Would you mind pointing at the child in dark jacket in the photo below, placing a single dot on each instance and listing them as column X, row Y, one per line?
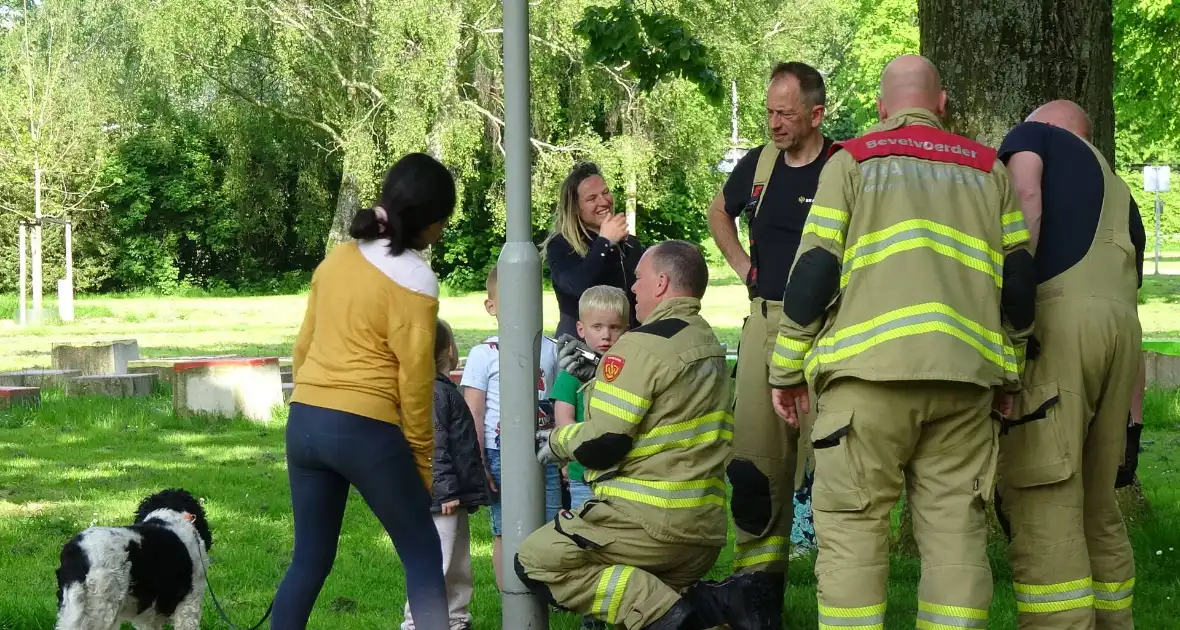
column 460, row 485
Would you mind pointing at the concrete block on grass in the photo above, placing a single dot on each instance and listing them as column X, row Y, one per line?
column 37, row 378
column 251, row 387
column 1166, row 372
column 112, row 385
column 288, row 390
column 95, row 358
column 19, row 396
column 162, row 366
column 287, row 369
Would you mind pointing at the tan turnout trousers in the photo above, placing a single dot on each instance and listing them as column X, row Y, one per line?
column 604, row 564
column 1072, row 563
column 769, row 458
column 939, row 440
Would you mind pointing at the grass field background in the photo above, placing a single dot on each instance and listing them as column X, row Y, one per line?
column 78, row 462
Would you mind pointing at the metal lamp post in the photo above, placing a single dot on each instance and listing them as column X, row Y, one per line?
column 523, row 494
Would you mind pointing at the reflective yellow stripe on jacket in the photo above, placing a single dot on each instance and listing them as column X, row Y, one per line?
column 789, row 353
column 1015, row 230
column 825, row 222
column 664, row 494
column 875, row 247
column 619, row 402
column 706, row 429
column 920, row 319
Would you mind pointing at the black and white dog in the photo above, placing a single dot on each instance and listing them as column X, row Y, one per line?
column 149, row 573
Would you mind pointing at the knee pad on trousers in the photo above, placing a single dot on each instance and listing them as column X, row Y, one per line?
column 537, row 588
column 751, row 503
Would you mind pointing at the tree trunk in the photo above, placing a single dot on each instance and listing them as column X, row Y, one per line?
column 347, row 205
column 1002, row 59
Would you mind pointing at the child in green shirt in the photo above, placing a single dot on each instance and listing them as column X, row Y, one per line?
column 603, row 313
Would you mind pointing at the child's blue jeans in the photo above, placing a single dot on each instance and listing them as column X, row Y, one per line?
column 552, row 490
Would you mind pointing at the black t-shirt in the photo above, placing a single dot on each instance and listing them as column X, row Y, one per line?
column 779, row 225
column 1072, row 189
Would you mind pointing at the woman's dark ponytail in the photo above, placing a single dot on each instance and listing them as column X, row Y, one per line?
column 418, row 192
column 365, row 226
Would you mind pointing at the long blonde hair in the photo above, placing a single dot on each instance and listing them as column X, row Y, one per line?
column 567, row 221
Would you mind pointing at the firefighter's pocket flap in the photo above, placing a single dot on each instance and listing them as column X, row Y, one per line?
column 838, row 486
column 1034, row 446
column 830, row 429
column 584, row 534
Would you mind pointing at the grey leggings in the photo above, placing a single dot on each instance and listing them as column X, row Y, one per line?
column 327, row 451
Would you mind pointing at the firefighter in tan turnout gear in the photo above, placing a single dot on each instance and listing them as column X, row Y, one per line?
column 772, row 186
column 1072, row 564
column 654, row 443
column 908, row 303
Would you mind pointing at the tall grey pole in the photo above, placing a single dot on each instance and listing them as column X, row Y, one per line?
column 523, row 492
column 1159, row 210
column 24, row 272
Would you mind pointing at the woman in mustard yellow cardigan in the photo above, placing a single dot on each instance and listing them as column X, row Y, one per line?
column 361, row 411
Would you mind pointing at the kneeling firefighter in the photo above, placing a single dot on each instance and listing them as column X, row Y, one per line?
column 654, row 443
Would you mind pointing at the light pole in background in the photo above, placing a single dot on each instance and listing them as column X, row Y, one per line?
column 523, row 492
column 1156, row 180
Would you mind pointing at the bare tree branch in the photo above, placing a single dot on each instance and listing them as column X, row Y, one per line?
column 212, row 73
column 539, row 144
column 285, row 19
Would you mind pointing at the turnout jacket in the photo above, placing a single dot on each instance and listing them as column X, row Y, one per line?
column 658, row 430
column 914, row 265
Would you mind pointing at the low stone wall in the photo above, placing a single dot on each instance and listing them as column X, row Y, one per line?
column 38, row 378
column 112, row 385
column 18, row 396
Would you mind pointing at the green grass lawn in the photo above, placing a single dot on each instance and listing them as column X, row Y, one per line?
column 74, row 463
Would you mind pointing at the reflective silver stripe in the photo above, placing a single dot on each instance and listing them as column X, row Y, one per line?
column 946, row 620
column 1029, row 598
column 692, row 429
column 1013, row 222
column 870, row 620
column 622, row 483
column 826, row 347
column 1115, row 596
column 788, row 354
column 827, row 222
column 997, row 268
column 621, row 404
column 616, row 572
column 664, row 494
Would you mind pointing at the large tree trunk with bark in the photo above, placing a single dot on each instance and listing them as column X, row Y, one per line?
column 347, row 205
column 1002, row 59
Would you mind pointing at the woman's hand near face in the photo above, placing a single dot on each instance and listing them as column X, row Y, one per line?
column 614, row 229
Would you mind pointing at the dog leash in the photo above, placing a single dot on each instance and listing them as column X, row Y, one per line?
column 221, row 612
